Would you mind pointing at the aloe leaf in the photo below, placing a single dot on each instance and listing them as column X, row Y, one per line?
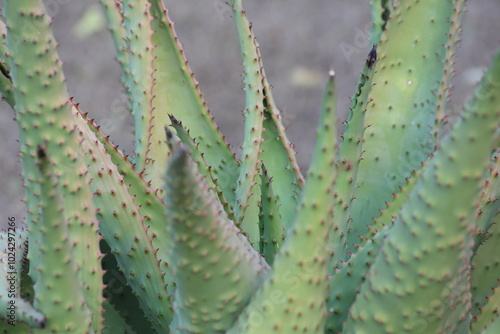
column 205, row 171
column 271, row 230
column 114, row 17
column 114, row 323
column 429, row 247
column 6, row 86
column 275, row 150
column 215, row 268
column 411, row 66
column 58, row 290
column 381, row 11
column 348, row 159
column 13, row 247
column 489, row 313
column 346, row 281
column 278, row 155
column 488, row 322
column 493, row 328
column 44, row 117
column 148, row 106
column 182, row 136
column 391, row 212
column 177, row 92
column 485, row 271
column 120, row 298
column 24, row 298
column 123, row 228
column 5, row 79
column 485, row 261
column 443, row 94
column 150, row 207
column 291, row 298
column 19, row 328
column 137, row 41
column 485, row 282
column 246, row 192
column 490, row 203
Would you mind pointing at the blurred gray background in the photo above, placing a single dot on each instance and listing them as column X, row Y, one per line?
column 299, row 42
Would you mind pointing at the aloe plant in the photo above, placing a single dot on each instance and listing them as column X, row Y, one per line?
column 391, row 230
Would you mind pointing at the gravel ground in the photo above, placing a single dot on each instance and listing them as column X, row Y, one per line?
column 299, row 41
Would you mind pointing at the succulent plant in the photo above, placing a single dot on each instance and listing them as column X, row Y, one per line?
column 391, row 230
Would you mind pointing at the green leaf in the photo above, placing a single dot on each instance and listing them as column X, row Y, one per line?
column 410, row 71
column 16, row 309
column 423, row 266
column 347, row 280
column 5, row 80
column 271, row 230
column 44, row 117
column 177, row 92
column 151, row 208
column 148, row 109
column 292, row 297
column 215, row 268
column 203, row 168
column 246, row 192
column 121, row 302
column 114, row 323
column 125, row 231
column 348, row 160
column 381, row 11
column 489, row 312
column 58, row 290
